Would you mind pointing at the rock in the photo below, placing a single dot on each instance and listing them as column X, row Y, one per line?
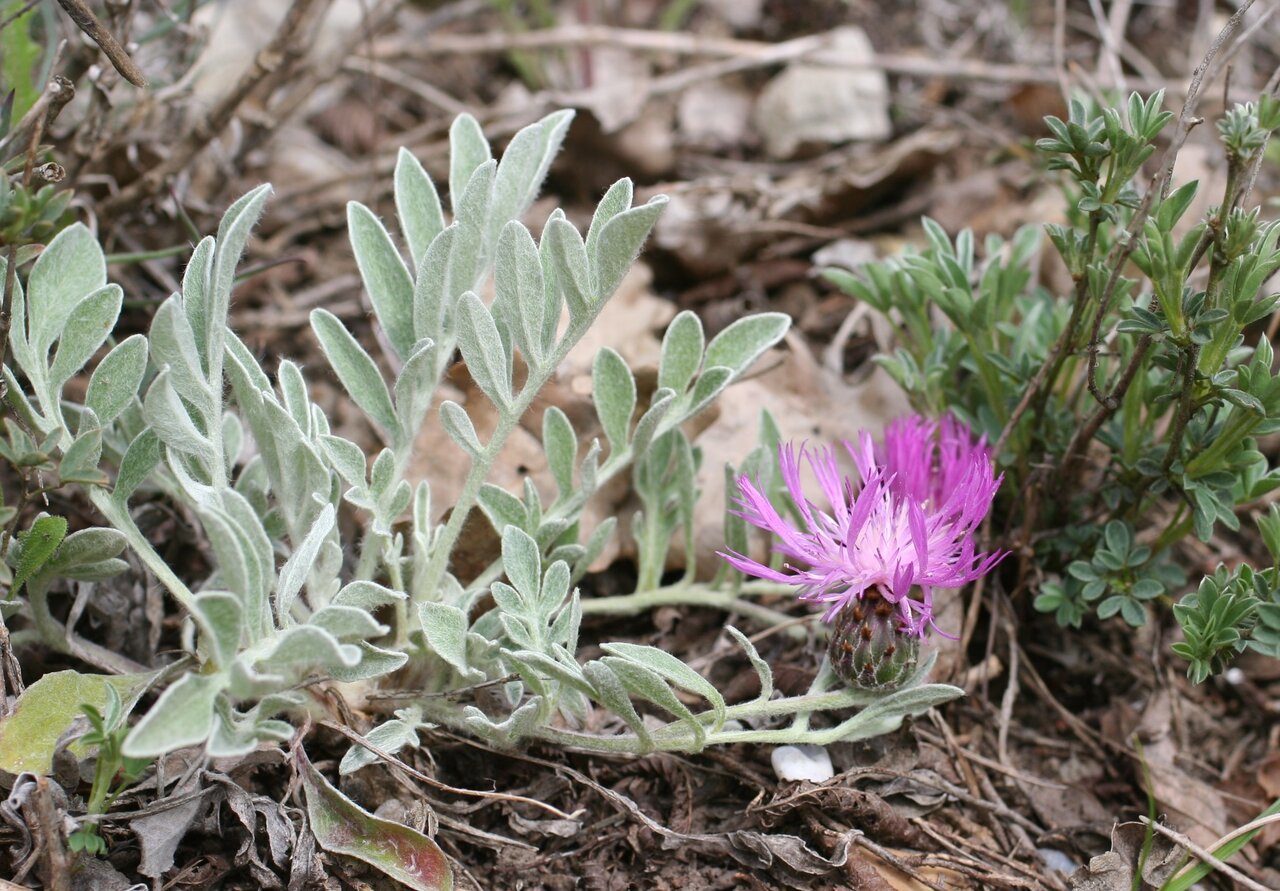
column 803, row 762
column 811, row 103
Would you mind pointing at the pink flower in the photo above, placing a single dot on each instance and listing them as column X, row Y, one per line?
column 909, row 525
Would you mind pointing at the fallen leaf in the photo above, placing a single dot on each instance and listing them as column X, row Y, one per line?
column 341, row 826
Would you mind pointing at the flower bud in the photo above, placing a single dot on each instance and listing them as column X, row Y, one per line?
column 869, row 648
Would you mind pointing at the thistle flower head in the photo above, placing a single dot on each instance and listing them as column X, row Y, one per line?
column 906, row 526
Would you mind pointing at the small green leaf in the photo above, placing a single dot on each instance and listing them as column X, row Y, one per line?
column 445, row 628
column 35, row 548
column 561, row 446
column 87, row 328
column 468, row 149
column 182, row 716
column 620, row 242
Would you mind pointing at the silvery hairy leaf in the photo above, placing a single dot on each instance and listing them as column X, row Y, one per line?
column 522, row 560
column 524, row 166
column 613, row 390
column 182, row 716
column 609, row 690
column 197, row 279
column 739, row 345
column 572, row 269
column 115, row 381
column 168, row 417
column 614, row 201
column 87, row 327
column 357, row 371
column 560, row 444
column 417, row 205
column 457, row 423
column 386, row 278
column 670, row 669
column 69, row 269
column 445, row 628
column 468, row 149
column 520, row 289
column 501, row 507
column 640, row 681
column 173, row 346
column 401, row 732
column 293, row 574
column 233, row 235
column 682, row 347
column 222, row 618
column 481, row 347
column 619, row 244
column 763, row 671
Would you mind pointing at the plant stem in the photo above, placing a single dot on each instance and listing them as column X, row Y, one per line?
column 690, row 595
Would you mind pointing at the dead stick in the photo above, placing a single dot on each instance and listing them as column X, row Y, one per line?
column 1204, row 855
column 268, row 60
column 87, row 22
column 815, row 48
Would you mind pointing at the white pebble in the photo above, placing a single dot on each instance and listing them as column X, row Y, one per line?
column 803, row 762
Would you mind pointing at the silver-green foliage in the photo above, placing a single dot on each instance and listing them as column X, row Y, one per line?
column 188, row 413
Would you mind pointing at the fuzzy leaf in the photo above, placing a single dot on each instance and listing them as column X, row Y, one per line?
column 681, row 352
column 115, row 381
column 385, row 277
column 672, row 669
column 620, row 242
column 357, row 371
column 457, row 423
column 88, row 325
column 613, row 389
column 737, row 346
column 482, row 350
column 182, row 716
column 445, row 628
column 417, row 205
column 561, row 446
column 70, row 268
column 468, row 149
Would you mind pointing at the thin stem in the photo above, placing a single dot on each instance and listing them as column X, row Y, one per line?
column 690, row 595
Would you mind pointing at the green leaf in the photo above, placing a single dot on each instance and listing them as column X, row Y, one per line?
column 482, row 350
column 389, row 736
column 457, row 423
column 522, row 560
column 342, row 827
column 468, row 149
column 222, row 618
column 86, row 547
column 173, row 346
column 445, row 628
column 35, row 547
column 517, row 278
column 763, row 671
column 233, row 235
column 182, row 716
column 47, row 709
column 672, row 669
column 87, row 328
column 140, row 458
column 739, row 345
column 613, row 390
column 620, row 243
column 646, row 684
column 357, row 371
column 572, row 271
column 115, row 381
column 168, row 416
column 385, row 277
column 417, row 205
column 67, row 271
column 611, row 693
column 523, row 168
column 561, row 446
column 293, row 575
column 681, row 352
